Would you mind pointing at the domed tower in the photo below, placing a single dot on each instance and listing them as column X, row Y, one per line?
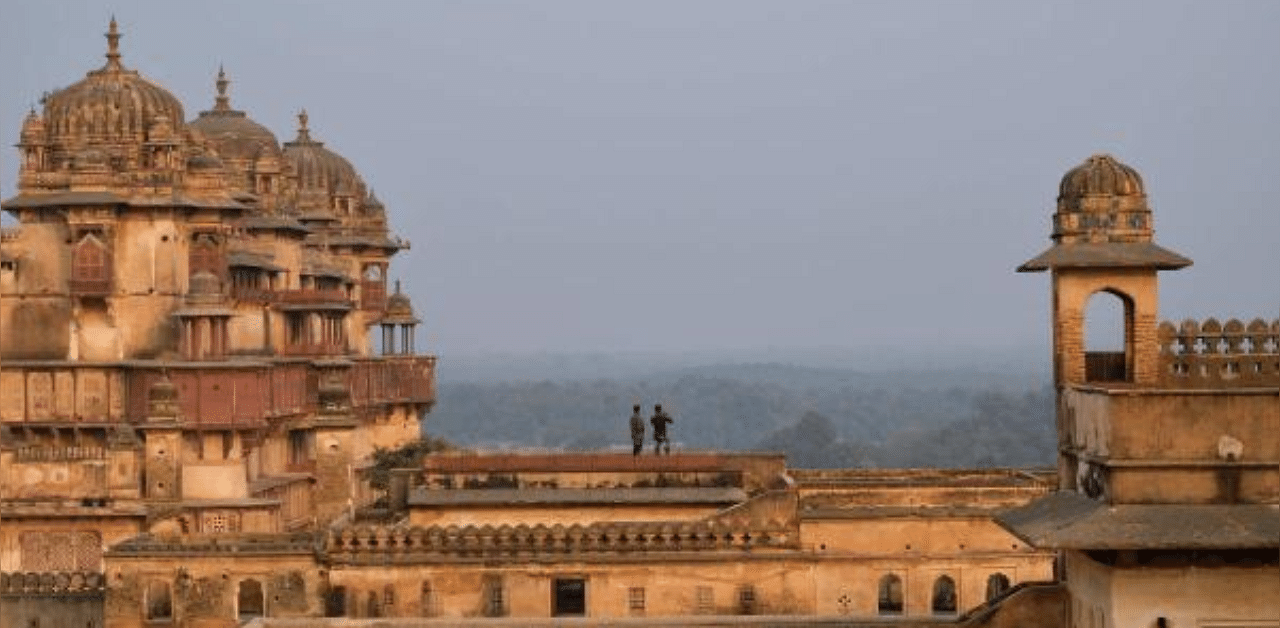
column 1103, row 242
column 328, row 187
column 399, row 314
column 250, row 151
column 114, row 110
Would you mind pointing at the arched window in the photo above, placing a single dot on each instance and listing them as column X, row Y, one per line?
column 944, row 595
column 90, row 266
column 1107, row 337
column 159, row 604
column 997, row 584
column 373, row 608
column 373, row 287
column 250, row 601
column 890, row 597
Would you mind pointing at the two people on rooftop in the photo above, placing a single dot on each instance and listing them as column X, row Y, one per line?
column 659, row 420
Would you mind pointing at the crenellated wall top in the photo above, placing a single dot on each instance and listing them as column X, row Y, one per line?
column 362, row 543
column 51, row 583
column 1213, row 354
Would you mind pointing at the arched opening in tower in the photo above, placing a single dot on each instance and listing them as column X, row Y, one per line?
column 1108, row 337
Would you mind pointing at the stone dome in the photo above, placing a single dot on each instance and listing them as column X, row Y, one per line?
column 399, row 305
column 399, row 309
column 233, row 134
column 110, row 105
column 317, row 167
column 1099, row 176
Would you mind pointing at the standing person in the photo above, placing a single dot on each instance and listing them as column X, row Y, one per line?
column 660, row 421
column 637, row 430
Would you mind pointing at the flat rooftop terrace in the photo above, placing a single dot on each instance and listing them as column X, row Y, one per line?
column 908, row 478
column 566, row 462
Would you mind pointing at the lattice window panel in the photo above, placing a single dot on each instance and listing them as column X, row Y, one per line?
column 61, row 551
column 219, row 522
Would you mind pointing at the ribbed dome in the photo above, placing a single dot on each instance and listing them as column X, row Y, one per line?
column 1100, row 175
column 399, row 309
column 318, row 167
column 231, row 132
column 399, row 304
column 110, row 105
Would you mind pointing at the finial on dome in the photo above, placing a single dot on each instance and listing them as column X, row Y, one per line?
column 222, row 102
column 113, row 45
column 304, row 134
column 397, row 286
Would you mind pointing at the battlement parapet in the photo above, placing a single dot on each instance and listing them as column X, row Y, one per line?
column 1211, row 354
column 246, row 544
column 52, row 583
column 361, row 544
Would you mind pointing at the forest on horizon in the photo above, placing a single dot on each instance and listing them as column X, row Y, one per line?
column 820, row 417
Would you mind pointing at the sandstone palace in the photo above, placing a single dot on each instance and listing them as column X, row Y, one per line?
column 201, row 353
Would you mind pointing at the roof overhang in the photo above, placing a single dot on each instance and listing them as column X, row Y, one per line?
column 1069, row 520
column 1105, row 255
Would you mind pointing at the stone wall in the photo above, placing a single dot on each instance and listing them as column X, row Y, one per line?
column 51, row 600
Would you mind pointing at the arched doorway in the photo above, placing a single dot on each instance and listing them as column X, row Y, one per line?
column 1108, row 337
column 944, row 596
column 890, row 595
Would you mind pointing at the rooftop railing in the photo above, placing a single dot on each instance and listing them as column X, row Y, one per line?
column 1211, row 354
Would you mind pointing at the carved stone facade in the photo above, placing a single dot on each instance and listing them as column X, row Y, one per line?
column 189, row 403
column 170, row 300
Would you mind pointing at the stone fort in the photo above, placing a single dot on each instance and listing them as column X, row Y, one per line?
column 191, row 402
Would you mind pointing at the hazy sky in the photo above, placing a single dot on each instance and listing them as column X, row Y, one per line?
column 732, row 174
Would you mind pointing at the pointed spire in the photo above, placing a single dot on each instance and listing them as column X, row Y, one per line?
column 222, row 102
column 397, row 286
column 304, row 134
column 113, row 46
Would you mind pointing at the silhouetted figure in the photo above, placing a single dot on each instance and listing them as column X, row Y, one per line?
column 637, row 430
column 660, row 421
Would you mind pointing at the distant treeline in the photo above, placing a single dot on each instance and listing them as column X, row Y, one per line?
column 818, row 417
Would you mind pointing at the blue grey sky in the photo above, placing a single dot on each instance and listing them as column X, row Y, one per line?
column 734, row 174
